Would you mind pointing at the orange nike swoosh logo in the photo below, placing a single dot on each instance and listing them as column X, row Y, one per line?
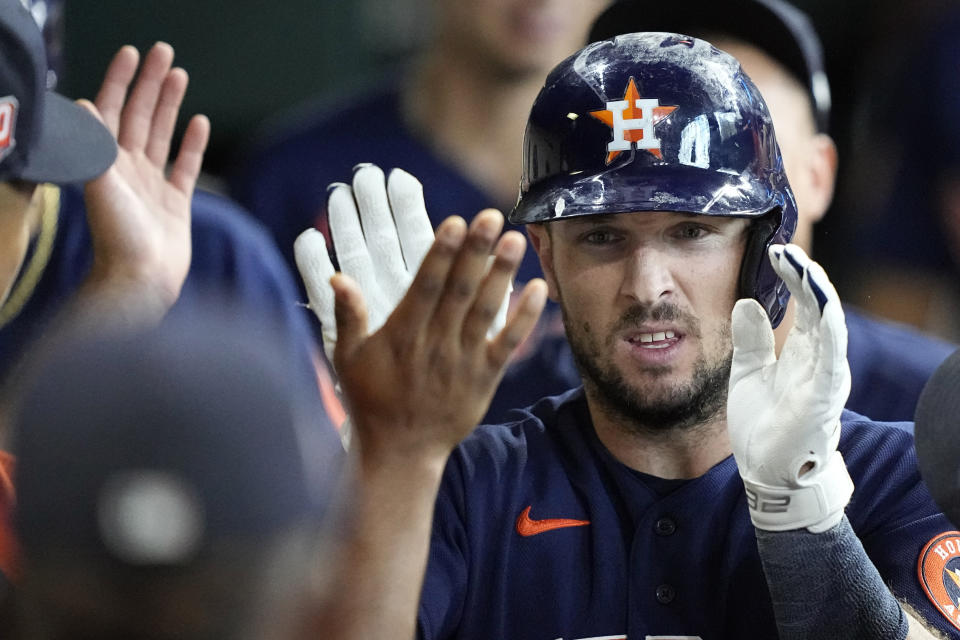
column 526, row 526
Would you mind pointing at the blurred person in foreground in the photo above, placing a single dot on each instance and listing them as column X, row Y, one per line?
column 170, row 484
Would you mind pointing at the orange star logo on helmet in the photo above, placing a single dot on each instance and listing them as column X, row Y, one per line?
column 632, row 121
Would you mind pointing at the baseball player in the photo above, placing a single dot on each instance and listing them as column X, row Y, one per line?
column 780, row 51
column 697, row 485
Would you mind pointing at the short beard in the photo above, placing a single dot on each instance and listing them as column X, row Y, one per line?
column 685, row 407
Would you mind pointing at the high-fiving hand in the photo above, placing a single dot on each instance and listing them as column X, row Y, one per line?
column 784, row 415
column 419, row 383
column 381, row 233
column 139, row 217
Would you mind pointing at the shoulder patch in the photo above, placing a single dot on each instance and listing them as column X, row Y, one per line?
column 939, row 571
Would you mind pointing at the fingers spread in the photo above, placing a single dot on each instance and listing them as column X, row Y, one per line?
column 790, row 264
column 410, row 212
column 113, row 91
column 351, row 314
column 522, row 318
column 352, row 252
column 137, row 115
column 417, row 308
column 313, row 263
column 490, row 297
column 165, row 116
column 753, row 342
column 380, row 231
column 832, row 370
column 186, row 168
column 467, row 273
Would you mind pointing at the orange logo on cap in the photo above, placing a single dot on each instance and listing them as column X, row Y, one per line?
column 632, row 120
column 939, row 571
column 8, row 119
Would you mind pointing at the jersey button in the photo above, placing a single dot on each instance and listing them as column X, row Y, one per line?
column 665, row 594
column 665, row 527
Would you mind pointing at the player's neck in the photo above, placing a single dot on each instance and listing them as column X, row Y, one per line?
column 677, row 453
column 474, row 118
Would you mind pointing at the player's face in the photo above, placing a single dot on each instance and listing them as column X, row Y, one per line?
column 517, row 36
column 646, row 299
column 16, row 221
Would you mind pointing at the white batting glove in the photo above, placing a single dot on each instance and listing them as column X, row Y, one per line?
column 784, row 415
column 381, row 233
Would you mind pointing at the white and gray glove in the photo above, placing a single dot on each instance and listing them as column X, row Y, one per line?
column 381, row 233
column 784, row 415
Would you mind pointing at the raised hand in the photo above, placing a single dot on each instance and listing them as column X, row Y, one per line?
column 784, row 415
column 139, row 216
column 423, row 381
column 381, row 233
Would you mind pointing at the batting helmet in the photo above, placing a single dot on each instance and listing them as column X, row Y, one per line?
column 659, row 122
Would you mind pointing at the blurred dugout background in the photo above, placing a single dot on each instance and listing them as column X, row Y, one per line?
column 251, row 61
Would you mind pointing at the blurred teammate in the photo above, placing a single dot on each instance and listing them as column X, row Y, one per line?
column 655, row 196
column 781, row 53
column 455, row 120
column 171, row 484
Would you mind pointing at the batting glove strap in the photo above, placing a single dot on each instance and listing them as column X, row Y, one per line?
column 816, row 505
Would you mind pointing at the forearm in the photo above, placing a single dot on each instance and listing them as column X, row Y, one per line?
column 824, row 586
column 375, row 589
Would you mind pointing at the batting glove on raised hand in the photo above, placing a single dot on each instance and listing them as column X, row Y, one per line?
column 784, row 415
column 381, row 233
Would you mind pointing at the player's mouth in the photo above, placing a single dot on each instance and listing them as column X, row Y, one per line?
column 653, row 345
column 653, row 340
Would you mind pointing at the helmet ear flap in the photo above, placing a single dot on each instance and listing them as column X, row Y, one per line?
column 760, row 235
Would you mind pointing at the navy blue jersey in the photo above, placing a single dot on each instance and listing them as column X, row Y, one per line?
column 889, row 365
column 233, row 263
column 284, row 183
column 540, row 533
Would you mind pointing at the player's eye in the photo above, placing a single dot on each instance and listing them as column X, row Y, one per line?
column 600, row 237
column 691, row 231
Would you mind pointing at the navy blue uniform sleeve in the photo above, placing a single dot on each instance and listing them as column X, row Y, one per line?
column 235, row 263
column 892, row 511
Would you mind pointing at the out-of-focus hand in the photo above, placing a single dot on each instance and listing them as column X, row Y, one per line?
column 784, row 415
column 139, row 216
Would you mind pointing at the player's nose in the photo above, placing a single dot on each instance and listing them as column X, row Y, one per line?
column 647, row 277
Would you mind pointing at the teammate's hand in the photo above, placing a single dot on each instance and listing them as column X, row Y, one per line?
column 139, row 217
column 381, row 233
column 419, row 384
column 784, row 415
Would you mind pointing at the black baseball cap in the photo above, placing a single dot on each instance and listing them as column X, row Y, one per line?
column 935, row 436
column 776, row 27
column 153, row 448
column 44, row 137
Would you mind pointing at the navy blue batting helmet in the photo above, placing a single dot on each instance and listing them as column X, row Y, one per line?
column 659, row 122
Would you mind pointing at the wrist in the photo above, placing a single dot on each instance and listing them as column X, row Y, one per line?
column 823, row 585
column 814, row 502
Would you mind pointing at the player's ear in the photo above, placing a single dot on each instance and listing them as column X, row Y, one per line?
column 541, row 240
column 822, row 166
